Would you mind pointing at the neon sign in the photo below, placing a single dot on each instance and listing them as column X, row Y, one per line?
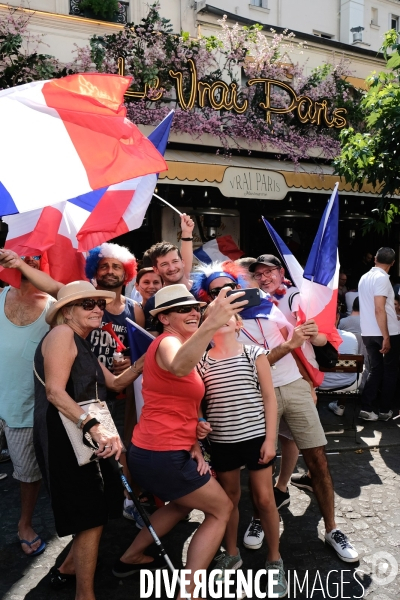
column 219, row 95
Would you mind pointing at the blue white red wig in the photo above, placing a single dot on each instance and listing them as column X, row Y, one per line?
column 115, row 251
column 205, row 274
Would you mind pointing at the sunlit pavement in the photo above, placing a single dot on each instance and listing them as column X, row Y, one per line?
column 367, row 486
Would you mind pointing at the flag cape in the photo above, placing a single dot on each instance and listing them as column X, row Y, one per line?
column 66, row 137
column 218, row 250
column 123, row 206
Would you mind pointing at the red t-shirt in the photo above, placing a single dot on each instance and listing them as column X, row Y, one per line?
column 169, row 416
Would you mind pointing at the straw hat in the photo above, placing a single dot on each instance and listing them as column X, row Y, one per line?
column 173, row 295
column 77, row 290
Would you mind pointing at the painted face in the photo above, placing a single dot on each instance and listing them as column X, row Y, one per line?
column 148, row 285
column 269, row 278
column 170, row 267
column 110, row 274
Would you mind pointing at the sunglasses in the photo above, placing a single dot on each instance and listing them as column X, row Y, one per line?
column 215, row 291
column 32, row 257
column 183, row 309
column 90, row 303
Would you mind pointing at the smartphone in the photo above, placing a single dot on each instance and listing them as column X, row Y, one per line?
column 251, row 294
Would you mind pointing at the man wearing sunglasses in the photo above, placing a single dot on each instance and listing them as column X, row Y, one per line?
column 22, row 324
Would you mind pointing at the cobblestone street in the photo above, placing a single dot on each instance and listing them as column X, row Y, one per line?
column 367, row 486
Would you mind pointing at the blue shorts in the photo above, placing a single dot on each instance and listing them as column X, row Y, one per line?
column 169, row 475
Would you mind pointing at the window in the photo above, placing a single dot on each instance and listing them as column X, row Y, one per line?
column 394, row 22
column 374, row 16
column 260, row 3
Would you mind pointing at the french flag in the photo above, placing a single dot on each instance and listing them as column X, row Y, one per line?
column 123, row 206
column 67, row 137
column 139, row 341
column 319, row 290
column 292, row 265
column 218, row 250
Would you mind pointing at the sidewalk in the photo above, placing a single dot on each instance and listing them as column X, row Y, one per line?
column 367, row 491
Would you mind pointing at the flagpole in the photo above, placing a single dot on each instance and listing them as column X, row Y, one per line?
column 168, row 204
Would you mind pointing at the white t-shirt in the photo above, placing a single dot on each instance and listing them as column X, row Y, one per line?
column 349, row 345
column 285, row 370
column 376, row 283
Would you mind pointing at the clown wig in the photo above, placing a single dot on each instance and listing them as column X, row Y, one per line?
column 107, row 250
column 205, row 274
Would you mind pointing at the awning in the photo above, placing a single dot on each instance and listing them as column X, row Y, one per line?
column 239, row 177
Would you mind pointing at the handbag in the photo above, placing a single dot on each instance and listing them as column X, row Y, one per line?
column 83, row 445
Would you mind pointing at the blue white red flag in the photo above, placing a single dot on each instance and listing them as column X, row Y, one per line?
column 67, row 137
column 218, row 250
column 319, row 289
column 292, row 265
column 123, row 206
column 139, row 340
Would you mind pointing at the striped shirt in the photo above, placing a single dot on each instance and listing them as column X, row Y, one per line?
column 235, row 407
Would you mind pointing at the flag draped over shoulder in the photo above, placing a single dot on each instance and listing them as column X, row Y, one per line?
column 218, row 250
column 123, row 206
column 67, row 137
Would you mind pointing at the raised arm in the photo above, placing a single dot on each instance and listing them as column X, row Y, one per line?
column 180, row 358
column 187, row 225
column 42, row 281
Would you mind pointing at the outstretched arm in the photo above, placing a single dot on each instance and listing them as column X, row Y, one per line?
column 42, row 281
column 187, row 225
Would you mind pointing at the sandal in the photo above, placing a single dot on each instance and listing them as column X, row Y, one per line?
column 41, row 548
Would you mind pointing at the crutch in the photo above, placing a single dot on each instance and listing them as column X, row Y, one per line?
column 161, row 550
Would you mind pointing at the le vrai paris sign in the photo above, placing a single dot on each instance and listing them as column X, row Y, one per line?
column 219, row 95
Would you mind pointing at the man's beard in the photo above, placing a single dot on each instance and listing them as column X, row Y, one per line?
column 110, row 284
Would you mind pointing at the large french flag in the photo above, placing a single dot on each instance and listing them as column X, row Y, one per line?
column 218, row 250
column 123, row 206
column 319, row 290
column 67, row 137
column 292, row 265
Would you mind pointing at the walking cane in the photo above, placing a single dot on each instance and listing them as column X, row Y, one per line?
column 161, row 550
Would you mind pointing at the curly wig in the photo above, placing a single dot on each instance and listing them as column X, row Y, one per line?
column 107, row 250
column 205, row 274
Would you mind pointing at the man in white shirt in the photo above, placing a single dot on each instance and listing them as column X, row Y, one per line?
column 380, row 334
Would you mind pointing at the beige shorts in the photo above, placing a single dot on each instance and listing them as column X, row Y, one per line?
column 296, row 405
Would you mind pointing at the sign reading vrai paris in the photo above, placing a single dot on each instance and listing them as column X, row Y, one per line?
column 253, row 183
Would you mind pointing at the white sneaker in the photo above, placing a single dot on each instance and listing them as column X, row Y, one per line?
column 385, row 416
column 334, row 407
column 254, row 536
column 339, row 542
column 368, row 416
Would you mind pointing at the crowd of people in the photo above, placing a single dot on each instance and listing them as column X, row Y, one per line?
column 238, row 376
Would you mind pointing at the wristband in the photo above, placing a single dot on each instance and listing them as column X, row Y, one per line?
column 91, row 423
column 201, row 419
column 187, row 239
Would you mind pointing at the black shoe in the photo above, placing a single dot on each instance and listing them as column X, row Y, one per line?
column 59, row 580
column 302, row 481
column 281, row 498
column 121, row 569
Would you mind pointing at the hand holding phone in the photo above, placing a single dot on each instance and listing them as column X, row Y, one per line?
column 250, row 294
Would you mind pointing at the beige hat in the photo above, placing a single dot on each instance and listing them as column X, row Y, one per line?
column 173, row 295
column 76, row 290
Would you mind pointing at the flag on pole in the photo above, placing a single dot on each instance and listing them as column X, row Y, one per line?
column 319, row 289
column 123, row 206
column 292, row 265
column 67, row 137
column 218, row 250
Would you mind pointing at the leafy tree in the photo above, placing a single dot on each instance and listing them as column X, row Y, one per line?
column 373, row 154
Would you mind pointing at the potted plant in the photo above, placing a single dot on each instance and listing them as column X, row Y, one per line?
column 106, row 10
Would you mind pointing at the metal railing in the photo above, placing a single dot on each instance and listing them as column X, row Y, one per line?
column 121, row 17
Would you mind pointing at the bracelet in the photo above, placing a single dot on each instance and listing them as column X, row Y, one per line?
column 201, row 419
column 187, row 239
column 91, row 423
column 133, row 367
column 81, row 419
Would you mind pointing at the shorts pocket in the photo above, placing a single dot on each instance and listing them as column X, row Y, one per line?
column 180, row 459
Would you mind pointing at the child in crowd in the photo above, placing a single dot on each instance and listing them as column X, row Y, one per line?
column 241, row 413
